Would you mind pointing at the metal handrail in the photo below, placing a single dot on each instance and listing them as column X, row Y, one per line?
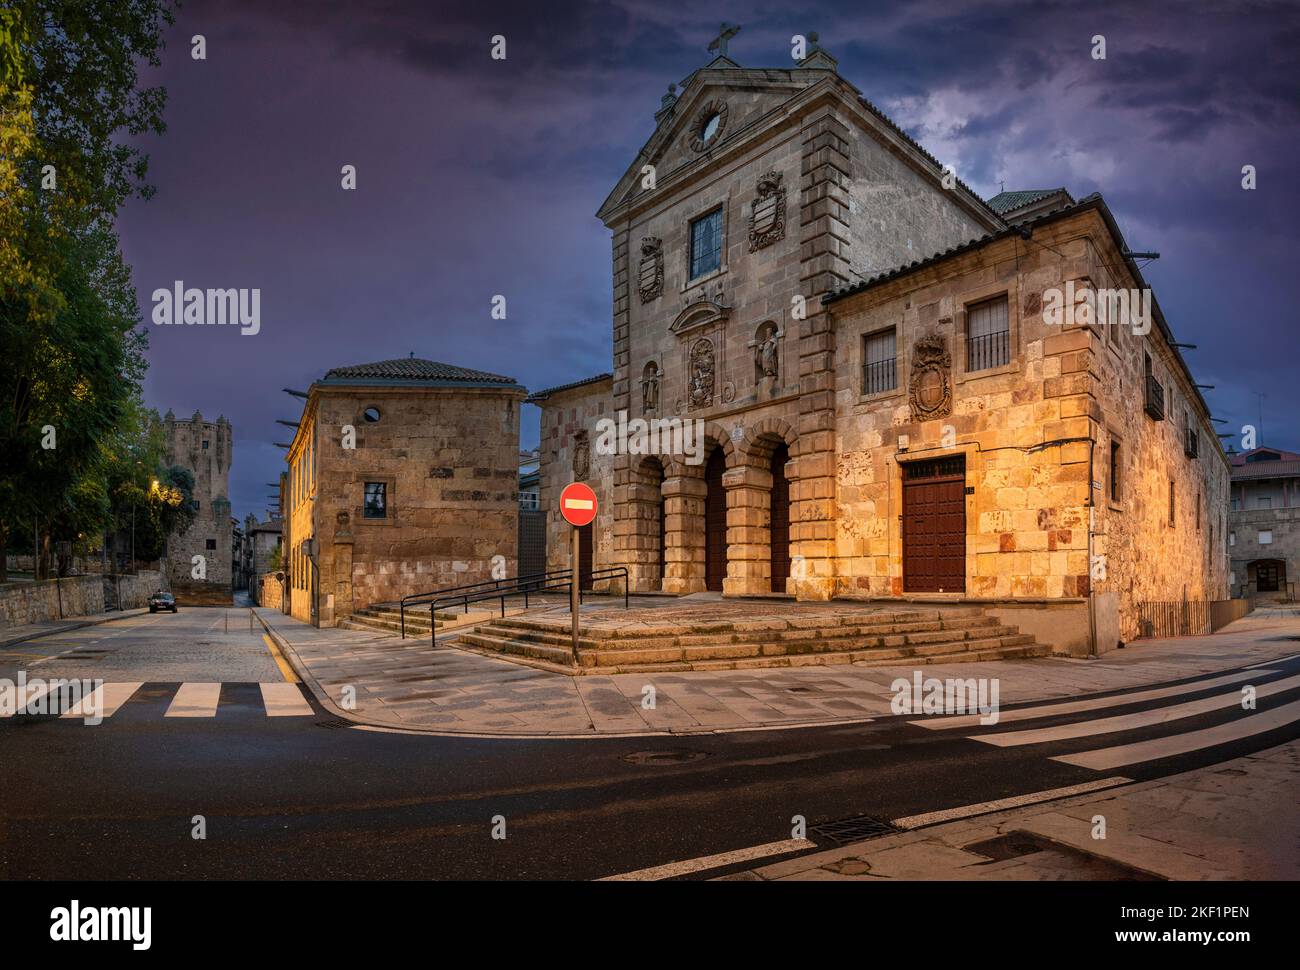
column 501, row 588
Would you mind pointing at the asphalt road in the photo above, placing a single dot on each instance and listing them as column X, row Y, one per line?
column 302, row 797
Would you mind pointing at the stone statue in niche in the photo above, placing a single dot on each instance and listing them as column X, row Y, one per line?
column 650, row 272
column 650, row 387
column 581, row 456
column 702, row 374
column 930, row 390
column 767, row 353
column 767, row 214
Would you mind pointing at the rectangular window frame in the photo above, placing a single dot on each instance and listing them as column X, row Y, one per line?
column 365, row 500
column 966, row 301
column 867, row 390
column 720, row 212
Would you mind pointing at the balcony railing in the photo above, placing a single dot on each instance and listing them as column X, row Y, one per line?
column 881, row 375
column 1191, row 443
column 1155, row 399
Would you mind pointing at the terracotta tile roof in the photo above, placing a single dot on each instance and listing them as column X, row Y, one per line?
column 412, row 369
column 1005, row 202
column 542, row 395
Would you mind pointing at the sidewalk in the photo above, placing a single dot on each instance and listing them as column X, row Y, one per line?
column 30, row 631
column 1220, row 822
column 409, row 685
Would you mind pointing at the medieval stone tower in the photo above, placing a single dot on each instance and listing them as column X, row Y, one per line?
column 204, row 447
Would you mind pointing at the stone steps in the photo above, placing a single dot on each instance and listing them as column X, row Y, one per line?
column 387, row 619
column 887, row 637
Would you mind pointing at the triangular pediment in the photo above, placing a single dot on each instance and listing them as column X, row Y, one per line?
column 740, row 96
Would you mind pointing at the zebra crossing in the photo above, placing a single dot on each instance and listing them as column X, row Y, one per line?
column 1171, row 720
column 188, row 700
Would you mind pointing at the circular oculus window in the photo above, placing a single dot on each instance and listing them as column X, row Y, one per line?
column 709, row 125
column 371, row 414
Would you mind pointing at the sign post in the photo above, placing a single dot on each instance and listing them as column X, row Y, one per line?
column 578, row 506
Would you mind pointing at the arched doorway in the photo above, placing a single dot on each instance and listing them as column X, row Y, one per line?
column 715, row 521
column 780, row 519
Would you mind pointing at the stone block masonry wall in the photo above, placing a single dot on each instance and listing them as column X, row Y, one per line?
column 1035, row 436
column 567, row 417
column 22, row 603
column 449, row 461
column 1282, row 526
column 131, row 592
column 205, row 448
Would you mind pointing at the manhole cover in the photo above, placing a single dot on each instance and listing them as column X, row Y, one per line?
column 858, row 828
column 671, row 756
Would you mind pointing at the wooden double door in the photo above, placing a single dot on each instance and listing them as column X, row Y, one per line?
column 934, row 525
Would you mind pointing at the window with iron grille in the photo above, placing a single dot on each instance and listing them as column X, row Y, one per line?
column 706, row 243
column 988, row 335
column 376, row 504
column 880, row 361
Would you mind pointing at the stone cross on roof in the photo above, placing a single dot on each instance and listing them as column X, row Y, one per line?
column 725, row 33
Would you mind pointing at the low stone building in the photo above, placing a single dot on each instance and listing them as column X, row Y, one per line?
column 402, row 478
column 885, row 412
column 205, row 448
column 1264, row 523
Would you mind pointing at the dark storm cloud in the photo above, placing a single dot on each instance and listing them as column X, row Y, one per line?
column 478, row 177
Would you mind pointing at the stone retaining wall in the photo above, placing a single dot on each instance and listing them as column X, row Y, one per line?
column 22, row 603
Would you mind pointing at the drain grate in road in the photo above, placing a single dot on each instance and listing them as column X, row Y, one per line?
column 668, row 756
column 334, row 723
column 857, row 828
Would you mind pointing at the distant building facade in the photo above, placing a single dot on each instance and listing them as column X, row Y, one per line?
column 402, row 478
column 205, row 448
column 260, row 542
column 1264, row 541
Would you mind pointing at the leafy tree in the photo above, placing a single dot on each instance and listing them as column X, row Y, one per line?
column 73, row 359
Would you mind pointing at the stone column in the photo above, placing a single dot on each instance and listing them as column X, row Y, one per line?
column 749, row 531
column 625, row 514
column 642, row 541
column 824, row 235
column 684, row 521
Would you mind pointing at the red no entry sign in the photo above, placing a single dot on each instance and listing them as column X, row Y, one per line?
column 578, row 504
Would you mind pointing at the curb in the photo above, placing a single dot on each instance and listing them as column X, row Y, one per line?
column 73, row 625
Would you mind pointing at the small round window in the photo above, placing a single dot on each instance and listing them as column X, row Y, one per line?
column 371, row 415
column 711, row 125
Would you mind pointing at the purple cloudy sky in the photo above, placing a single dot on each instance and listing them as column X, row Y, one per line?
column 478, row 177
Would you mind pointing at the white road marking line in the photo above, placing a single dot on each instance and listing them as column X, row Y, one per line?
column 284, row 700
column 999, row 804
column 1129, row 722
column 712, row 861
column 195, row 700
column 106, row 699
column 31, row 698
column 1279, row 660
column 1101, row 759
column 1091, row 704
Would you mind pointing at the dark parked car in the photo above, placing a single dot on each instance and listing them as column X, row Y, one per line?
column 162, row 601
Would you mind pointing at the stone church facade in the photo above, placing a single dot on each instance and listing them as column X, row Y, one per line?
column 885, row 413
